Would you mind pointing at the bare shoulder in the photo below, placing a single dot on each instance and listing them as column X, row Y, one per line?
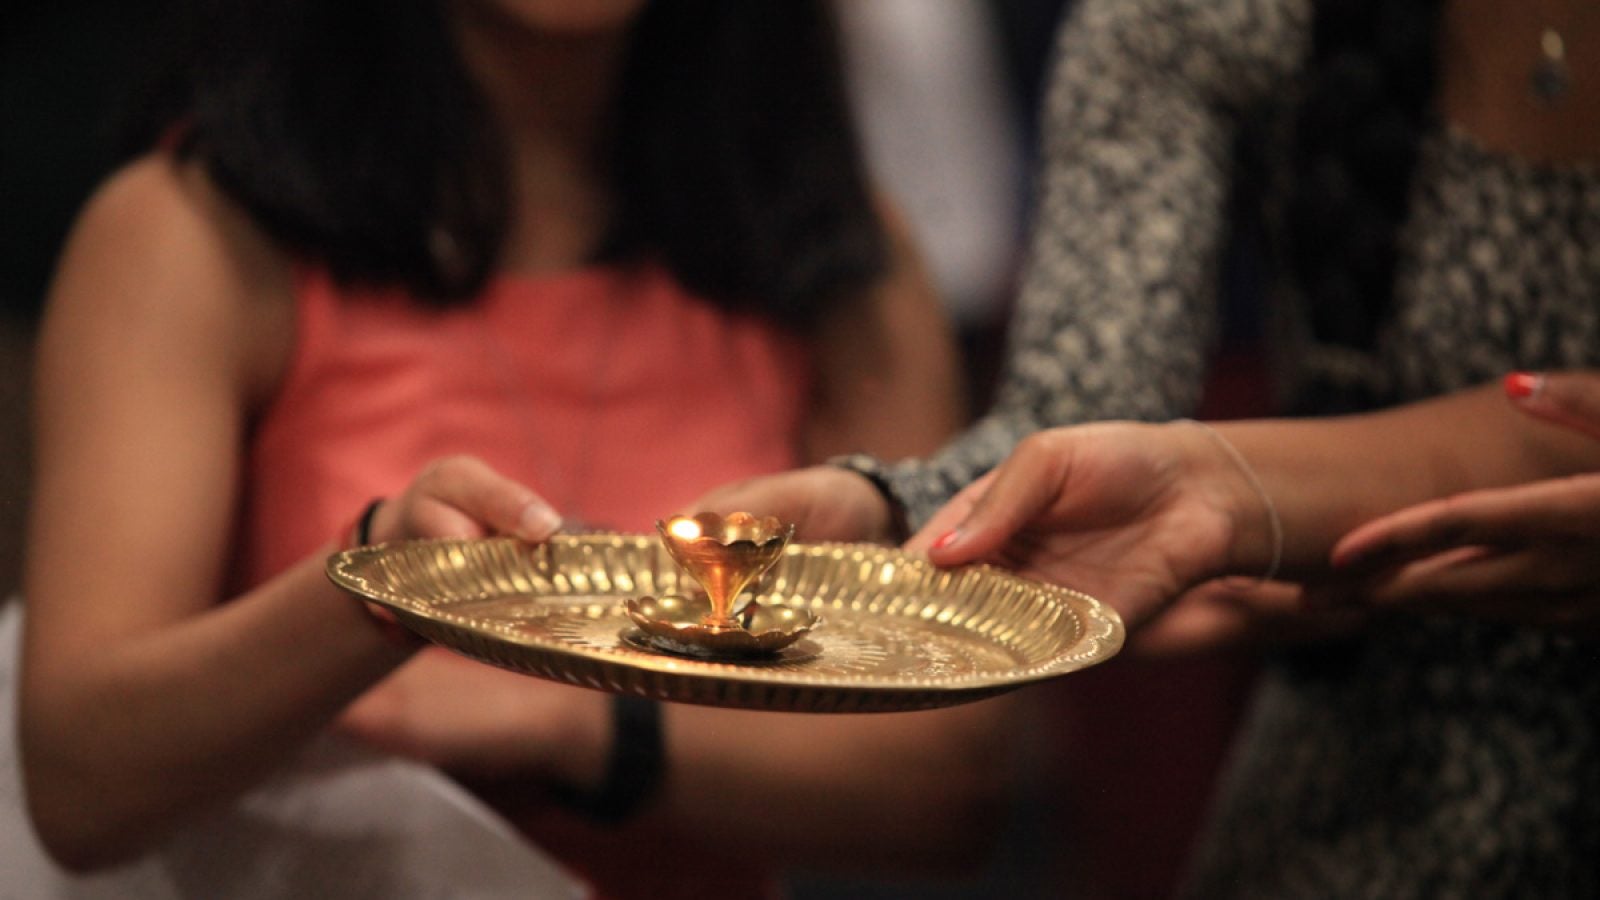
column 168, row 220
column 159, row 260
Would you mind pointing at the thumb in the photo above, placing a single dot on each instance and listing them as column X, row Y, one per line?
column 1002, row 503
column 462, row 495
column 1571, row 399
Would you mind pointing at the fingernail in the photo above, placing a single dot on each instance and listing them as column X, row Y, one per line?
column 538, row 521
column 1521, row 385
column 946, row 539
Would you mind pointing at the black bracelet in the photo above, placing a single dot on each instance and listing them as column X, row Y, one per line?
column 364, row 524
column 877, row 474
column 634, row 766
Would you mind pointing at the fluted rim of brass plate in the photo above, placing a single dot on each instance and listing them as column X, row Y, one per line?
column 1055, row 629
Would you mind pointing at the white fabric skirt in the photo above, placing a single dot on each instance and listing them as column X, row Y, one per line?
column 343, row 822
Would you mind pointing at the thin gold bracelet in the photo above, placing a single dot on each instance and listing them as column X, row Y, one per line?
column 1273, row 521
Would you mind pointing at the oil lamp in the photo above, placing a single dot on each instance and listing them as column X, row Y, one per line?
column 724, row 555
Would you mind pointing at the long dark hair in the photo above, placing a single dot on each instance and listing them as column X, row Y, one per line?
column 352, row 133
column 1370, row 95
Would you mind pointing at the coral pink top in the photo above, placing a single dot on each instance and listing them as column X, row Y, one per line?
column 614, row 393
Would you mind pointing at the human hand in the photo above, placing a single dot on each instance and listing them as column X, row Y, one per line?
column 1528, row 553
column 1133, row 514
column 461, row 496
column 826, row 503
column 452, row 712
column 477, row 720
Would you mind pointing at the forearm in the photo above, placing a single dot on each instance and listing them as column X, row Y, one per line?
column 1327, row 476
column 148, row 732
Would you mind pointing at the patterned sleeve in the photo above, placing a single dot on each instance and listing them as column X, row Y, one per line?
column 1117, row 309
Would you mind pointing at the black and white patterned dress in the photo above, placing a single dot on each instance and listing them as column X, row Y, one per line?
column 1434, row 757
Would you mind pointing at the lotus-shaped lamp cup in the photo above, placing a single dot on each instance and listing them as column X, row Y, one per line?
column 724, row 554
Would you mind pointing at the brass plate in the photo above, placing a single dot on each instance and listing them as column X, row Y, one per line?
column 897, row 633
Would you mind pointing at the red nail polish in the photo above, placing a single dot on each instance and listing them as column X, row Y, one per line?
column 1520, row 385
column 946, row 539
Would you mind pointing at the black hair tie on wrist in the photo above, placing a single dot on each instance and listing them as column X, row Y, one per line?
column 634, row 766
column 364, row 524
